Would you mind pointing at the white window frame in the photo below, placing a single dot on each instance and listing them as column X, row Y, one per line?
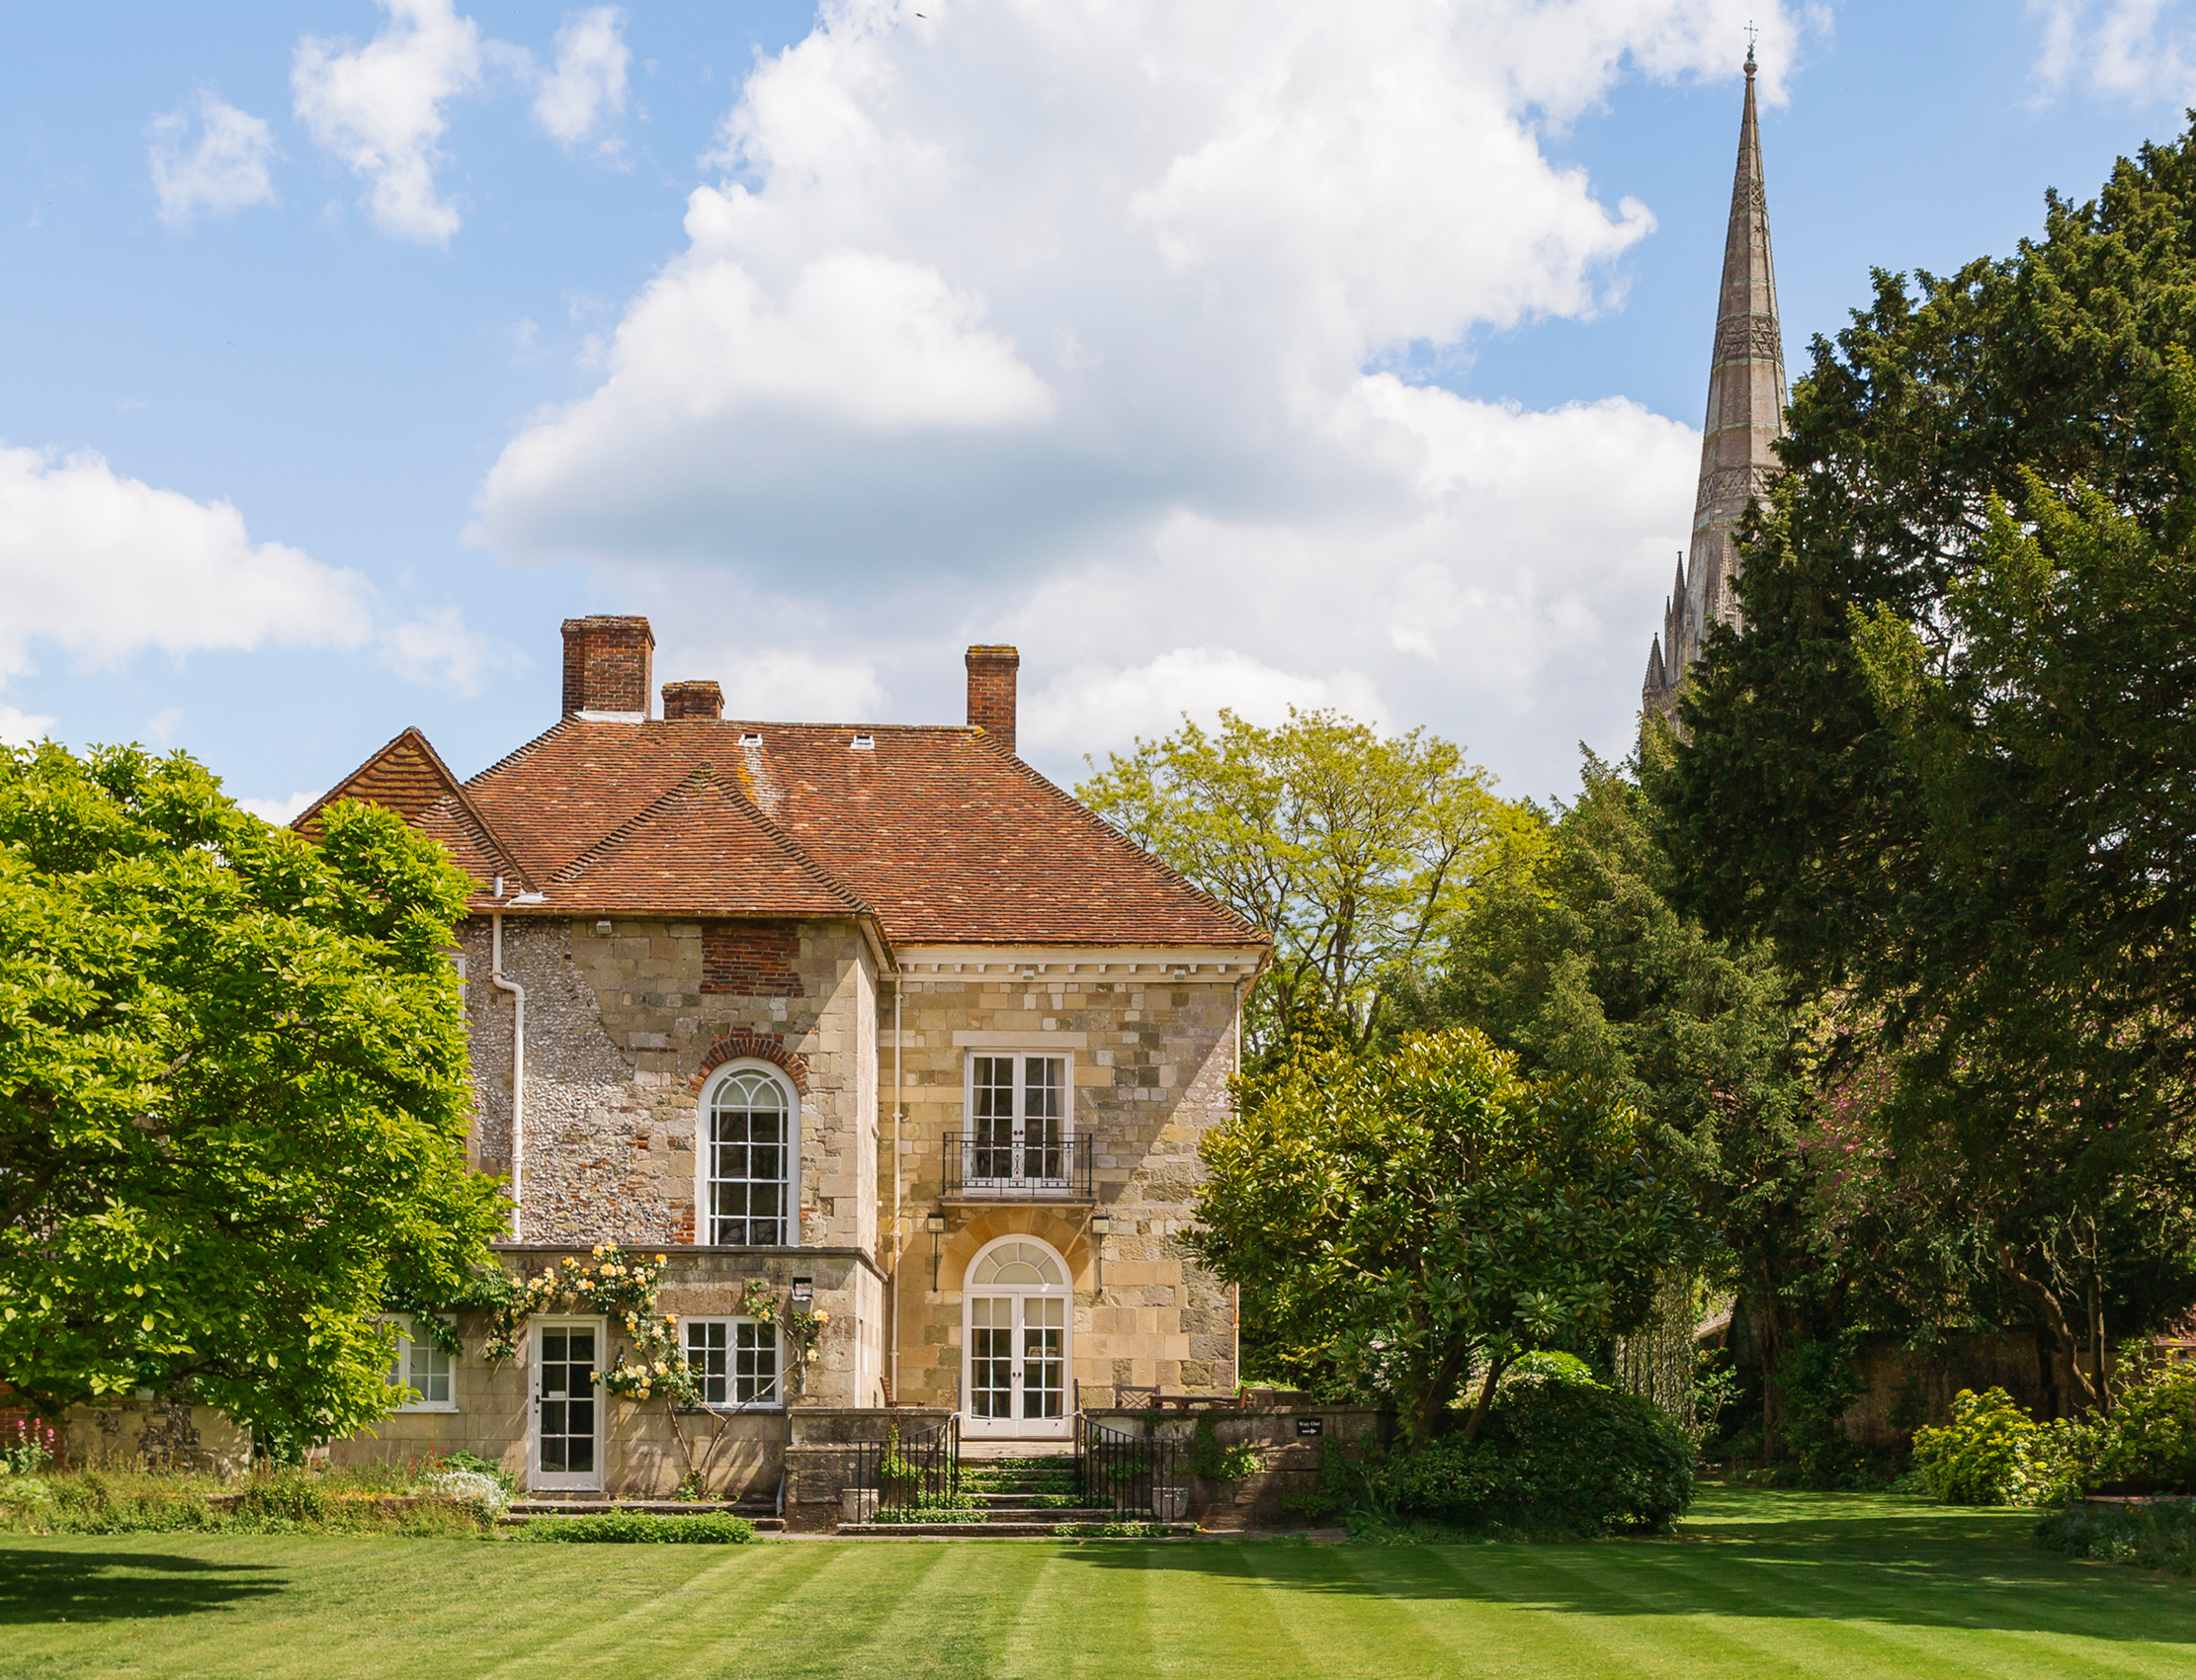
column 402, row 1363
column 732, row 1325
column 1050, row 1052
column 705, row 1223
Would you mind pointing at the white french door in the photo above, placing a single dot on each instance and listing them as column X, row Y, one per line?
column 1015, row 1337
column 567, row 1423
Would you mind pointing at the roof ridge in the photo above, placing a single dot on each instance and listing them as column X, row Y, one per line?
column 594, row 853
column 786, row 843
column 526, row 750
column 490, row 841
column 1047, row 786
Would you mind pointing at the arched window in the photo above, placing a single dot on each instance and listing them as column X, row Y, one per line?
column 750, row 1135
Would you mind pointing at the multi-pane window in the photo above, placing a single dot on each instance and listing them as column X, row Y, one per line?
column 423, row 1368
column 749, row 1162
column 735, row 1359
column 1017, row 1118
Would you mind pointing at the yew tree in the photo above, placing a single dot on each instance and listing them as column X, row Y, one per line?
column 1945, row 761
column 233, row 1094
column 1425, row 1217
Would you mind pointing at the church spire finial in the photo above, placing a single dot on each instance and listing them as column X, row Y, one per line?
column 1745, row 412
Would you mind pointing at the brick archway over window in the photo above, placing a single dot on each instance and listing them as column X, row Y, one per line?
column 735, row 1046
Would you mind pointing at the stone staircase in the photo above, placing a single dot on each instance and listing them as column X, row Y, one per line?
column 1023, row 1494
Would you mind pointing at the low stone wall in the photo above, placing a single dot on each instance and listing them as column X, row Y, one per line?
column 819, row 1459
column 1290, row 1442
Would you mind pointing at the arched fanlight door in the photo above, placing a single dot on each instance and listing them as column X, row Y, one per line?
column 1016, row 1307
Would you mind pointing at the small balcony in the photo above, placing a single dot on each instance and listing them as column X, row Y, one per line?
column 983, row 1167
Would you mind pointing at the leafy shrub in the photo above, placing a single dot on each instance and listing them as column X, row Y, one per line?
column 1558, row 1456
column 2156, row 1537
column 1992, row 1453
column 631, row 1528
column 1110, row 1531
column 2149, row 1444
column 295, row 1498
column 1215, row 1462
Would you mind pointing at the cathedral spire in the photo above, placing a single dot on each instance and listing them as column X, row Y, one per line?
column 1745, row 416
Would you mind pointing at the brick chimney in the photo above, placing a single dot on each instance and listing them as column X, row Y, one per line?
column 607, row 668
column 992, row 692
column 705, row 701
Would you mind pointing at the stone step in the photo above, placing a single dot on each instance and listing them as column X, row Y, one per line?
column 987, row 1531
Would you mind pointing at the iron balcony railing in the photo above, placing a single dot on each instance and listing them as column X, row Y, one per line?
column 992, row 1168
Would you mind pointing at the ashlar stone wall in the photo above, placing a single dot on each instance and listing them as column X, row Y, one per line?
column 1151, row 1062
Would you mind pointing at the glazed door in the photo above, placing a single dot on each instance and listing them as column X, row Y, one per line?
column 567, row 1408
column 1017, row 1367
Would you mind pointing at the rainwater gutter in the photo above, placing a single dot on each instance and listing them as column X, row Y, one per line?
column 503, row 983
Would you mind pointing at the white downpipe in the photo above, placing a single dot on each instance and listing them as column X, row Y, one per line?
column 897, row 1244
column 1237, row 1314
column 518, row 1068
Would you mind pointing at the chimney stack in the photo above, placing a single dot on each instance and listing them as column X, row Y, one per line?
column 607, row 668
column 992, row 692
column 705, row 701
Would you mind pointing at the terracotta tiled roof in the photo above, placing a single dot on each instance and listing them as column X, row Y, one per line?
column 705, row 850
column 408, row 775
column 934, row 831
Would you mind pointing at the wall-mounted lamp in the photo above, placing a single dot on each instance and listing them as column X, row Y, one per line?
column 1101, row 1228
column 935, row 1223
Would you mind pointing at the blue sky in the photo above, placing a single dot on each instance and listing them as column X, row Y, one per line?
column 1215, row 355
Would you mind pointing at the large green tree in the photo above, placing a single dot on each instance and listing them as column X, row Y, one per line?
column 1349, row 847
column 1419, row 1215
column 1573, row 955
column 1945, row 762
column 233, row 1095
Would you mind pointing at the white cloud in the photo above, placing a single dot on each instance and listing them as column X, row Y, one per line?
column 107, row 566
column 2141, row 50
column 161, row 726
column 224, row 172
column 587, row 87
column 1060, row 719
column 19, row 728
column 438, row 648
column 1053, row 323
column 279, row 810
column 381, row 109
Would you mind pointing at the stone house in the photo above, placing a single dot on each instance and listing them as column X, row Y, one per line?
column 872, row 1014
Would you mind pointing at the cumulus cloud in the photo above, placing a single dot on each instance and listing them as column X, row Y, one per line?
column 586, row 88
column 1059, row 325
column 381, row 109
column 225, row 170
column 20, row 729
column 281, row 810
column 107, row 566
column 2140, row 50
column 439, row 648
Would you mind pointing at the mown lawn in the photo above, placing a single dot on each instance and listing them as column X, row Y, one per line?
column 1757, row 1584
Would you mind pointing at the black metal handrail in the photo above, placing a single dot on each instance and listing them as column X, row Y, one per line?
column 992, row 1166
column 1139, row 1478
column 905, row 1476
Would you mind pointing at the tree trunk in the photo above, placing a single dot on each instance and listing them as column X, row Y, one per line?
column 1494, row 1369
